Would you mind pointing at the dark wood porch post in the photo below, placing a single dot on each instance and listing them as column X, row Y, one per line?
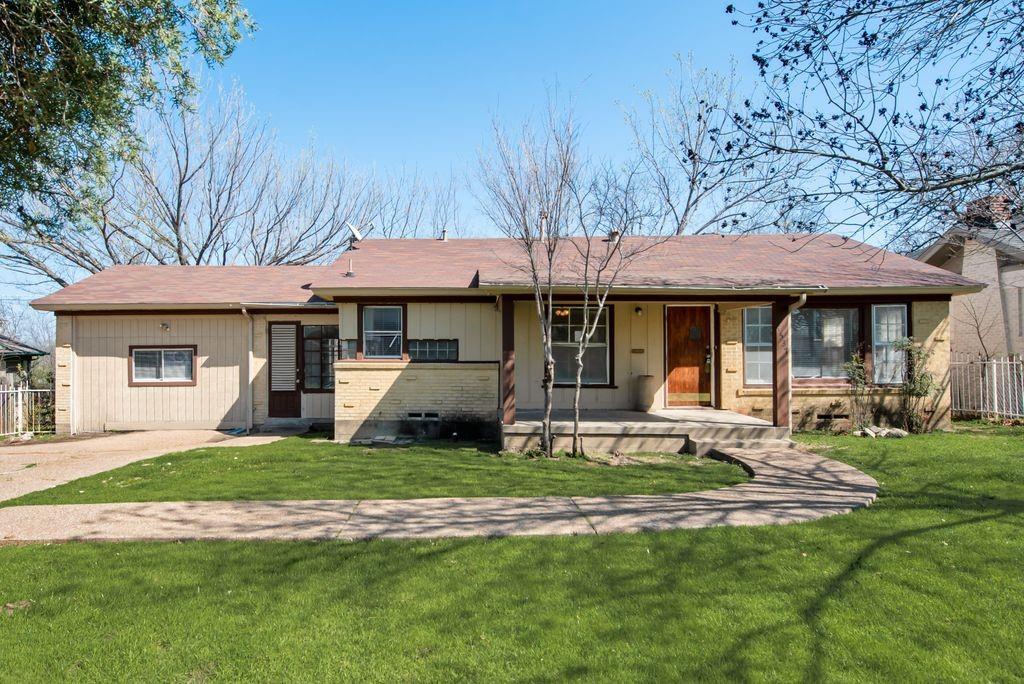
column 782, row 415
column 508, row 360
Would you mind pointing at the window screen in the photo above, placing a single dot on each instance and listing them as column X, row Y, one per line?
column 382, row 332
column 163, row 365
column 823, row 340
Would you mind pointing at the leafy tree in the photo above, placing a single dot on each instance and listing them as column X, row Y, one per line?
column 76, row 71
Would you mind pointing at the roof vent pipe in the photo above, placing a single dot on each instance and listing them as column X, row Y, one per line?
column 350, row 273
column 613, row 236
column 444, row 235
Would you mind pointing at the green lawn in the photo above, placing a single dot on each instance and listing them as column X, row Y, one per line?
column 298, row 468
column 927, row 584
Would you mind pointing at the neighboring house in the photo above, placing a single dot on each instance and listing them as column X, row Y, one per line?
column 403, row 332
column 989, row 323
column 16, row 361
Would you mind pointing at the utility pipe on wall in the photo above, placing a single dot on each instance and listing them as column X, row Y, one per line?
column 248, row 373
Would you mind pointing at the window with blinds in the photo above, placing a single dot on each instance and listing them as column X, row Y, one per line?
column 382, row 332
column 823, row 340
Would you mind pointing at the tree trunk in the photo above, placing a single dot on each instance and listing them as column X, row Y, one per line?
column 547, row 439
column 577, row 441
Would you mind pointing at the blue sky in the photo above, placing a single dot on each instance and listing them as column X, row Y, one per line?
column 416, row 84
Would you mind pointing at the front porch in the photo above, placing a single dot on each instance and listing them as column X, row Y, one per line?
column 692, row 430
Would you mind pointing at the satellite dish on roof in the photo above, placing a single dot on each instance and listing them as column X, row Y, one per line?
column 356, row 233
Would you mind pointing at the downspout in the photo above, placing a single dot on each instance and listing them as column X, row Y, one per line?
column 798, row 303
column 73, row 371
column 248, row 373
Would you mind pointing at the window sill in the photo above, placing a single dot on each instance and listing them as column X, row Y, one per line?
column 817, row 390
column 565, row 385
column 176, row 383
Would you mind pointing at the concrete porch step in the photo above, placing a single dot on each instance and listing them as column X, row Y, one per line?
column 704, row 447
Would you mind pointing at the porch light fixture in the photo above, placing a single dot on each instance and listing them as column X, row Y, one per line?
column 165, row 327
column 639, row 311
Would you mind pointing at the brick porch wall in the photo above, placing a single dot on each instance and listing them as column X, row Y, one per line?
column 376, row 397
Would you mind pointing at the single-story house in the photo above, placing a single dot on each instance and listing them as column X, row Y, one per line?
column 16, row 361
column 399, row 334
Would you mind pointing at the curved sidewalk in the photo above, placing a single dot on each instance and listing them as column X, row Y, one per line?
column 789, row 485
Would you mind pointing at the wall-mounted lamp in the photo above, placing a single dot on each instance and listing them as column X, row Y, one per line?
column 639, row 311
column 165, row 327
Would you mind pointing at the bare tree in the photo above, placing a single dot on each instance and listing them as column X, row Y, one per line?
column 703, row 187
column 211, row 186
column 615, row 223
column 900, row 112
column 525, row 189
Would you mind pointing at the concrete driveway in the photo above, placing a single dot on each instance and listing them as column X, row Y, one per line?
column 26, row 468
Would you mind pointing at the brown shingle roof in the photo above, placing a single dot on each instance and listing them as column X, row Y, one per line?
column 707, row 261
column 704, row 261
column 189, row 285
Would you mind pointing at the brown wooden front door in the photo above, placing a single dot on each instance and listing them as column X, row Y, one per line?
column 285, row 394
column 688, row 356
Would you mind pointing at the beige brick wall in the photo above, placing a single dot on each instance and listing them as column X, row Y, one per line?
column 930, row 328
column 62, row 371
column 371, row 395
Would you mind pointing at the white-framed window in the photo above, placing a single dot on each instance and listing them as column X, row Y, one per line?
column 382, row 332
column 757, row 345
column 889, row 326
column 567, row 327
column 163, row 365
column 823, row 341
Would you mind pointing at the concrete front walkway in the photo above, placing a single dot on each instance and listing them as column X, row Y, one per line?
column 789, row 485
column 32, row 466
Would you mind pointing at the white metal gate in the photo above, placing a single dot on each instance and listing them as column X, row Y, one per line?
column 987, row 387
column 25, row 410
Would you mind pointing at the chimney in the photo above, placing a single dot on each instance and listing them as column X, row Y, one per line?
column 988, row 211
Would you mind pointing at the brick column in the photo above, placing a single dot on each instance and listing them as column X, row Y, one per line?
column 508, row 360
column 782, row 415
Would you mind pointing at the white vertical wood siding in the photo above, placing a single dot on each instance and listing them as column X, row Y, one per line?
column 104, row 401
column 477, row 327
